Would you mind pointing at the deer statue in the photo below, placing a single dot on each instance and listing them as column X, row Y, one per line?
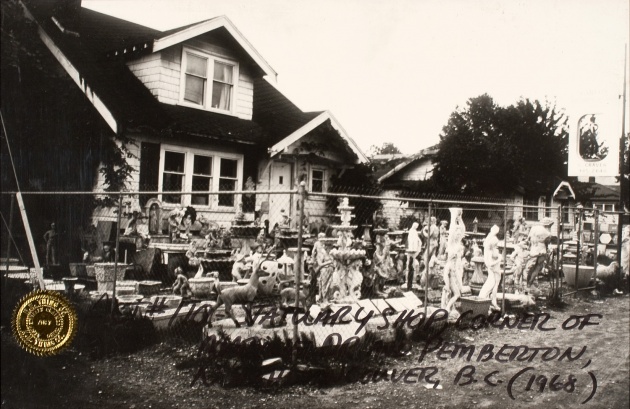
column 242, row 295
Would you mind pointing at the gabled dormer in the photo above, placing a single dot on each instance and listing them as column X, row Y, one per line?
column 208, row 65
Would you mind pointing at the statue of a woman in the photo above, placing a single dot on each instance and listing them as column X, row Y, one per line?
column 454, row 268
column 323, row 265
column 382, row 264
column 414, row 244
column 492, row 260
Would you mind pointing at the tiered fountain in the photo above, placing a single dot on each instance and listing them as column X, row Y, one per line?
column 347, row 276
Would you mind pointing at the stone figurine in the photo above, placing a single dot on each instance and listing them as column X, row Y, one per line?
column 454, row 268
column 492, row 260
column 51, row 237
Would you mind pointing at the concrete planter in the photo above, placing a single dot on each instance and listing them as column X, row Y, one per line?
column 202, row 287
column 583, row 278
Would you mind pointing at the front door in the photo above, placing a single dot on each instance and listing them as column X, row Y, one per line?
column 280, row 180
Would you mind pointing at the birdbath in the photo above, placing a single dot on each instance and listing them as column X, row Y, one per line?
column 286, row 261
column 344, row 256
column 68, row 283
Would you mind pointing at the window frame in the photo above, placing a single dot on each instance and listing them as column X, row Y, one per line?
column 216, row 156
column 207, row 94
column 312, row 179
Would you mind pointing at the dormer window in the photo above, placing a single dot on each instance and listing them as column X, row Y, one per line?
column 197, row 90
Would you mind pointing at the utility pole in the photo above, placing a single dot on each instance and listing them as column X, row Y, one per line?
column 623, row 184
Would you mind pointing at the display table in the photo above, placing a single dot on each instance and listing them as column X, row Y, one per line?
column 169, row 249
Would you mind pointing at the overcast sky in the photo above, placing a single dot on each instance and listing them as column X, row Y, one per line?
column 394, row 70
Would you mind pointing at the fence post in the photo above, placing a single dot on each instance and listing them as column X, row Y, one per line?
column 426, row 264
column 579, row 247
column 596, row 238
column 31, row 243
column 299, row 264
column 505, row 245
column 559, row 259
column 120, row 198
column 10, row 227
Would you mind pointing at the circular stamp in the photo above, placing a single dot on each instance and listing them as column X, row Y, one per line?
column 44, row 322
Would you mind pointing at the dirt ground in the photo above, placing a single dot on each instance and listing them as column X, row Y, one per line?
column 153, row 378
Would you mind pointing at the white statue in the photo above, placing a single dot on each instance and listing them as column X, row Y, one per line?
column 454, row 268
column 492, row 260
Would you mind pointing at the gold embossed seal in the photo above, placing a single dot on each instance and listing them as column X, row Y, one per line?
column 44, row 322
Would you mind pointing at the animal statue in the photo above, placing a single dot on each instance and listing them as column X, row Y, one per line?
column 241, row 295
column 604, row 272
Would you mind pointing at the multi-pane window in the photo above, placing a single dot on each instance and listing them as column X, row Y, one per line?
column 196, row 75
column 228, row 179
column 190, row 170
column 173, row 176
column 201, row 179
column 197, row 69
column 317, row 181
column 530, row 213
column 222, row 84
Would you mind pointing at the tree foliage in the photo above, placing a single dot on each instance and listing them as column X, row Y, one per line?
column 387, row 148
column 58, row 140
column 486, row 149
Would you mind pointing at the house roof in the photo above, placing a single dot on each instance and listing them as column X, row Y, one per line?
column 276, row 113
column 603, row 192
column 423, row 154
column 94, row 55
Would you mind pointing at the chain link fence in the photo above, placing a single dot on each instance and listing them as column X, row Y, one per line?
column 294, row 270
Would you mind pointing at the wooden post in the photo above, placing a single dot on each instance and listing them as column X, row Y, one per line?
column 10, row 226
column 120, row 197
column 31, row 243
column 426, row 265
column 559, row 260
column 505, row 244
column 579, row 245
column 596, row 238
column 299, row 264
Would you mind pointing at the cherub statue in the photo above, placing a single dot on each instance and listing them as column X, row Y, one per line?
column 181, row 285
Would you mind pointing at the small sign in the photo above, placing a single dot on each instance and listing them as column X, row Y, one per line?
column 594, row 147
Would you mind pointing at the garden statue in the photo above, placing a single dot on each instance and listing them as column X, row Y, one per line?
column 453, row 271
column 154, row 219
column 346, row 277
column 401, row 265
column 443, row 237
column 431, row 233
column 323, row 265
column 492, row 260
column 378, row 221
column 181, row 285
column 108, row 253
column 286, row 220
column 238, row 268
column 382, row 264
column 414, row 244
column 539, row 238
column 131, row 228
column 174, row 220
column 519, row 257
column 519, row 230
column 142, row 226
column 51, row 237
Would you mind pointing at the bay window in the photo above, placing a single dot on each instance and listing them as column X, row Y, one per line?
column 197, row 68
column 201, row 172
